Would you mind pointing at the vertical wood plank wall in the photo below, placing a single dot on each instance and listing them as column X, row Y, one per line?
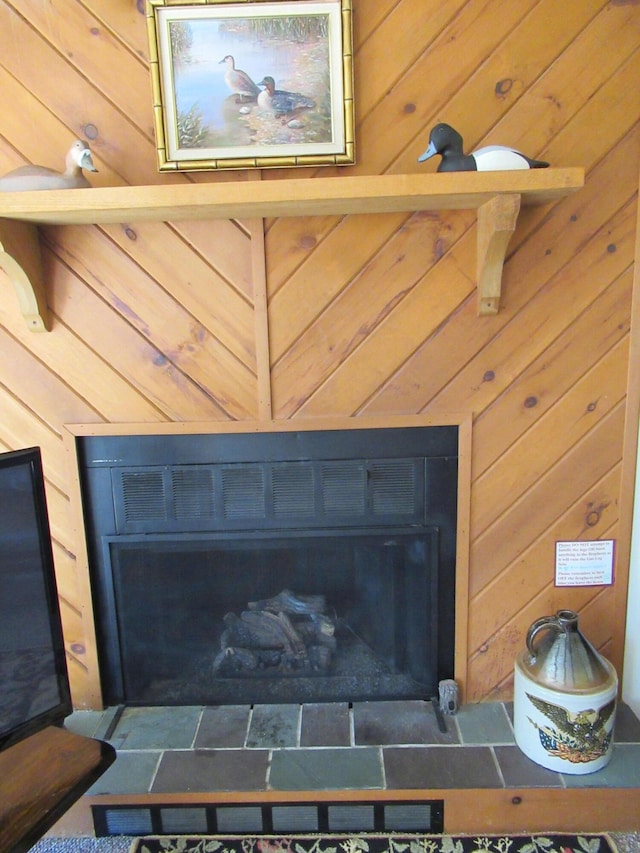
column 366, row 315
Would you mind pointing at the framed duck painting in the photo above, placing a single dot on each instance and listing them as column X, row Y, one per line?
column 252, row 84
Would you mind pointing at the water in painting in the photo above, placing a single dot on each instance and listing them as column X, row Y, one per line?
column 249, row 82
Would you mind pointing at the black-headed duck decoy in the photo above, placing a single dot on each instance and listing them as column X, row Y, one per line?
column 239, row 81
column 281, row 101
column 447, row 142
column 42, row 178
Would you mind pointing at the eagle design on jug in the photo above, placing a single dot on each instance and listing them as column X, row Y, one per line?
column 576, row 737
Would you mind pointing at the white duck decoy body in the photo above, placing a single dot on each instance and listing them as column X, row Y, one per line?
column 42, row 178
column 447, row 142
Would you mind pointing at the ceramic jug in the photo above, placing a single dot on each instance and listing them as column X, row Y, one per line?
column 564, row 697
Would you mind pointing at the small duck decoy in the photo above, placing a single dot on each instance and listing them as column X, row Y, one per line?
column 280, row 101
column 447, row 142
column 42, row 178
column 239, row 81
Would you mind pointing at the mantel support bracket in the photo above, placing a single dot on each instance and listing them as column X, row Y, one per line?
column 20, row 259
column 497, row 220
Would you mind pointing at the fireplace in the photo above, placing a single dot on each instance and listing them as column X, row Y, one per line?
column 256, row 567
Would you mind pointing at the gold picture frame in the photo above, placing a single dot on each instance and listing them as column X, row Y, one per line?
column 243, row 84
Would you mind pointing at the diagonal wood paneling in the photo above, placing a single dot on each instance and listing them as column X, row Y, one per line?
column 364, row 315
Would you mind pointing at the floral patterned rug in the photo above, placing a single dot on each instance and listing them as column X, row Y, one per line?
column 376, row 843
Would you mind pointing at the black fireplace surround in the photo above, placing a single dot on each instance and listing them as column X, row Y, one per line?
column 298, row 566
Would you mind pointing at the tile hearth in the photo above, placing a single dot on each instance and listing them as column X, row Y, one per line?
column 335, row 746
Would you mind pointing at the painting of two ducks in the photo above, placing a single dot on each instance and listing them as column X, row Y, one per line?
column 241, row 83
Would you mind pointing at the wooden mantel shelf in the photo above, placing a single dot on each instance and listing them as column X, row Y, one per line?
column 496, row 195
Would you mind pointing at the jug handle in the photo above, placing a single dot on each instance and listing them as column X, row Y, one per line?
column 546, row 622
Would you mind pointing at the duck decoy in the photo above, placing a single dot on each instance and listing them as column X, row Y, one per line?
column 280, row 101
column 239, row 81
column 447, row 142
column 42, row 178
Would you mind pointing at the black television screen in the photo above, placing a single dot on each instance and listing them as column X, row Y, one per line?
column 34, row 685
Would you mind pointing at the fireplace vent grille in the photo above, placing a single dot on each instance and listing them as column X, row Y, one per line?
column 343, row 488
column 193, row 491
column 323, row 493
column 293, row 491
column 243, row 491
column 143, row 496
column 393, row 486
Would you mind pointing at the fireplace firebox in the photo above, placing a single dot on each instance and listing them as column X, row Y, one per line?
column 299, row 566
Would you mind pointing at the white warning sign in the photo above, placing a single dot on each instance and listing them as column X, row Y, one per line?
column 584, row 563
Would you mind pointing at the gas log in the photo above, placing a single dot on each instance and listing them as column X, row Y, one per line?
column 287, row 633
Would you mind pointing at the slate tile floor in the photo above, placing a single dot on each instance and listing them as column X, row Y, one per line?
column 370, row 745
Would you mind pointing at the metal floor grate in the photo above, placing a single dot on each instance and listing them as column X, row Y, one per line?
column 211, row 818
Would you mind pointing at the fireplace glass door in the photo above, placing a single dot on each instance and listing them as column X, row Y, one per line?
column 291, row 618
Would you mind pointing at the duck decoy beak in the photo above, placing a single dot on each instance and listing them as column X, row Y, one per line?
column 86, row 161
column 431, row 150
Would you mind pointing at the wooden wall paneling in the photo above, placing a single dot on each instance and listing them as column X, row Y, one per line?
column 365, row 24
column 340, row 257
column 578, row 74
column 418, row 382
column 40, row 388
column 224, row 245
column 70, row 592
column 605, row 257
column 106, row 62
column 18, row 147
column 65, row 564
column 9, row 158
column 125, row 21
column 17, row 422
column 588, row 133
column 574, row 415
column 85, row 372
column 597, row 618
column 357, row 310
column 542, row 505
column 74, row 631
column 528, row 50
column 289, row 243
column 381, row 68
column 578, row 348
column 354, row 385
column 56, row 97
column 461, row 639
column 179, row 269
column 159, row 382
column 422, row 97
column 161, row 319
column 63, row 542
column 424, row 300
column 527, row 580
column 504, row 73
column 544, row 327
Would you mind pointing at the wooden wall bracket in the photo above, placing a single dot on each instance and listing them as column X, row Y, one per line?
column 496, row 223
column 20, row 259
